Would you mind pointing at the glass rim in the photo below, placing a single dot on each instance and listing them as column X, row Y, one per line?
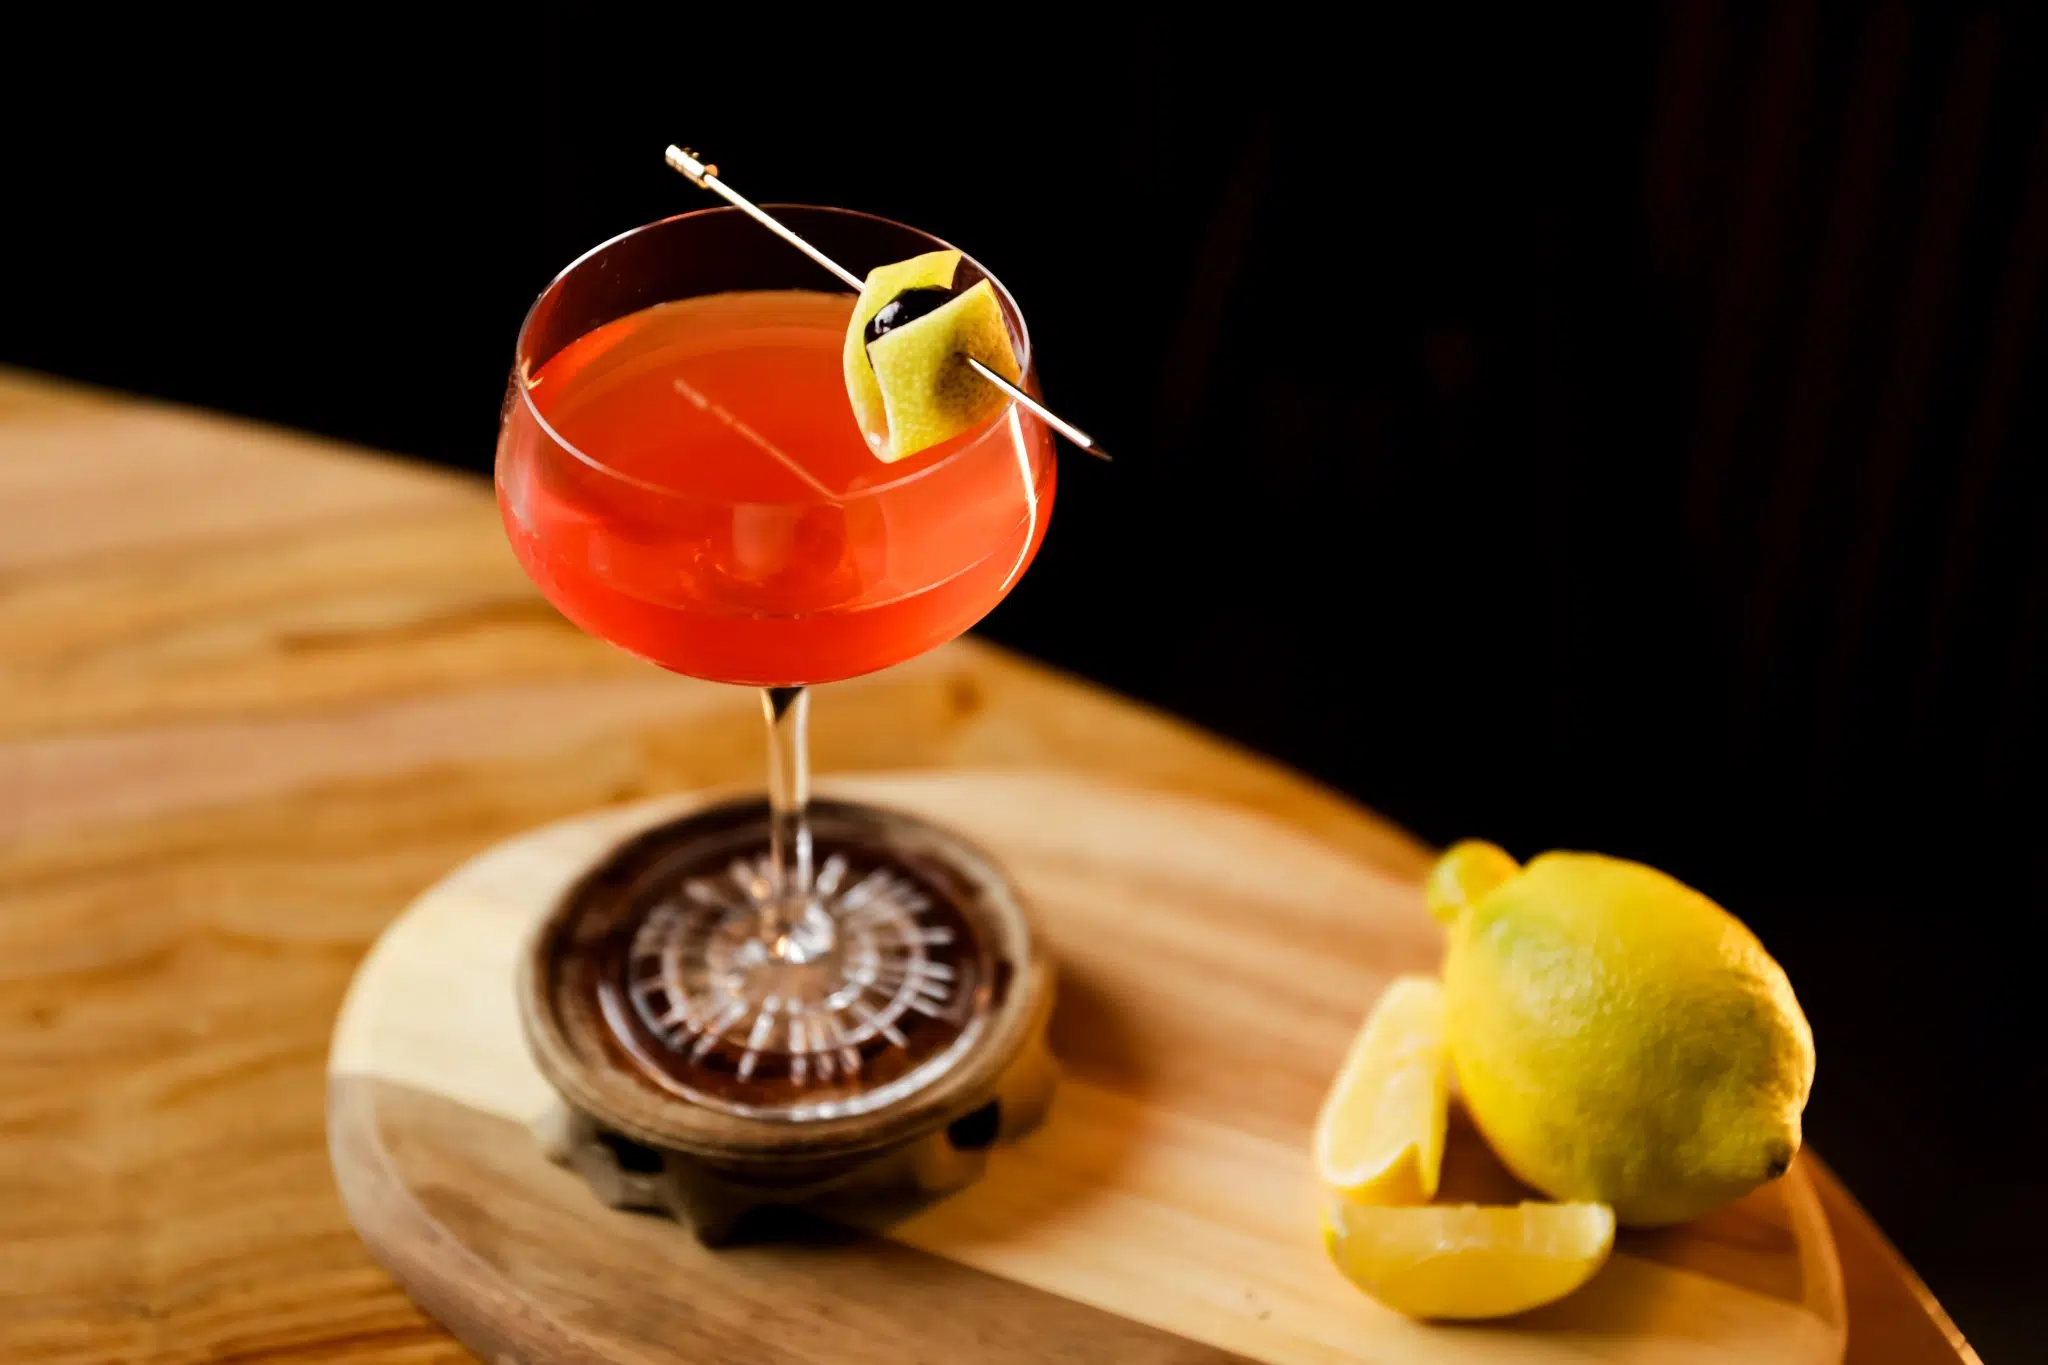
column 519, row 354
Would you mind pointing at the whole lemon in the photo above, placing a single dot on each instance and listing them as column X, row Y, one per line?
column 1617, row 1036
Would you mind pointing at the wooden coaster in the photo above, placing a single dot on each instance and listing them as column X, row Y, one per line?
column 885, row 1068
column 1214, row 966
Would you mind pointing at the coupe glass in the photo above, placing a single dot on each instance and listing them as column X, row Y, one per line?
column 680, row 472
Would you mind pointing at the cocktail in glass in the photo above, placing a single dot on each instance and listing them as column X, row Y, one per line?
column 681, row 473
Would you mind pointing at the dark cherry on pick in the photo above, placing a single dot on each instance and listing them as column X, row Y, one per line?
column 906, row 307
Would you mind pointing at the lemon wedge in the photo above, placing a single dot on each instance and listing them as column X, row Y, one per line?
column 1470, row 1260
column 1380, row 1136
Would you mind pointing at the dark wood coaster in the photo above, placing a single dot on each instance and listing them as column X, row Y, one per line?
column 686, row 1096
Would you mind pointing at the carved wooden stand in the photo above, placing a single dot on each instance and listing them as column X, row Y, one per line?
column 687, row 1113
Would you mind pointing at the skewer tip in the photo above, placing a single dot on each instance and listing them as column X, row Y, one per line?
column 693, row 168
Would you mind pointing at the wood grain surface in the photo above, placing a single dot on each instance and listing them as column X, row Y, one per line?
column 257, row 692
column 1217, row 965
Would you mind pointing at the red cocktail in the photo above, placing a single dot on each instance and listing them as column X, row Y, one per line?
column 688, row 481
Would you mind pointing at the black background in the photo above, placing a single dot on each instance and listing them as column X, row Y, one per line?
column 1619, row 429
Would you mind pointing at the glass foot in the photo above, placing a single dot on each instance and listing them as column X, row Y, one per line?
column 877, row 983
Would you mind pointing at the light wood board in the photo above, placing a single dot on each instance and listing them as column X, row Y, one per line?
column 1214, row 966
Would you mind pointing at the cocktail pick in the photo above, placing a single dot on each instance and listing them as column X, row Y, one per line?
column 705, row 175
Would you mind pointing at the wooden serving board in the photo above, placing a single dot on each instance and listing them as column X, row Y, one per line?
column 1214, row 966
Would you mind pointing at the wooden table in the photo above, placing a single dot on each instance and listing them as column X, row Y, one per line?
column 258, row 690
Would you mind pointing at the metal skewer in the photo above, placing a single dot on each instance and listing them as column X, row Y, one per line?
column 705, row 176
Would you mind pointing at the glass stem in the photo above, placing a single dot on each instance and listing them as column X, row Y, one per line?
column 788, row 710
